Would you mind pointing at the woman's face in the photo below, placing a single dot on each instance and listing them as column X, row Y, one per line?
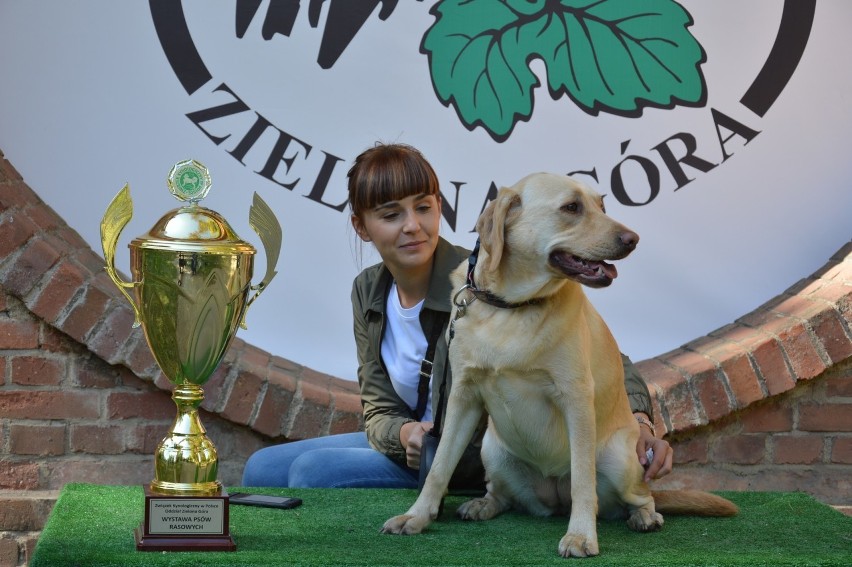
column 404, row 232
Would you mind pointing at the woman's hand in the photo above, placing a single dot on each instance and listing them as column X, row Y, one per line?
column 411, row 437
column 661, row 465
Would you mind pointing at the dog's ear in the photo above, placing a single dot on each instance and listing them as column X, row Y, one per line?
column 491, row 225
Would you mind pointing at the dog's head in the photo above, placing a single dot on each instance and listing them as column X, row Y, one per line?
column 554, row 223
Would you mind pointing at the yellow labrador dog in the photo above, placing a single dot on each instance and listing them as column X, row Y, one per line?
column 531, row 351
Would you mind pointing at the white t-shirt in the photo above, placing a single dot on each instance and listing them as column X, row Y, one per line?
column 403, row 348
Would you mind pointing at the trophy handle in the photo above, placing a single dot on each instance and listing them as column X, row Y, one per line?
column 263, row 221
column 116, row 217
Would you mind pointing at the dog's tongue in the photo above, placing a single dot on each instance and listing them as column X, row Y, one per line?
column 609, row 270
column 589, row 272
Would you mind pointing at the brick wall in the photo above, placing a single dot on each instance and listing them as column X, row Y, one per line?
column 761, row 404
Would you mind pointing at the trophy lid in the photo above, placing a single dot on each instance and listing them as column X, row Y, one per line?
column 192, row 228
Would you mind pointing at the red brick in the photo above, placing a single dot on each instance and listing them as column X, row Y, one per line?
column 746, row 337
column 93, row 373
column 284, row 365
column 346, row 417
column 244, row 395
column 52, row 340
column 37, row 371
column 162, row 382
column 700, row 477
column 94, row 263
column 85, row 314
column 839, row 386
column 825, row 417
column 34, row 261
column 343, row 385
column 743, row 380
column 832, row 335
column 670, row 391
column 801, row 307
column 703, row 377
column 739, row 449
column 18, row 334
column 24, row 514
column 112, row 336
column 214, row 388
column 312, row 413
column 68, row 279
column 766, row 320
column 145, row 438
column 773, row 367
column 832, row 292
column 798, row 450
column 767, row 418
column 19, row 475
column 842, row 271
column 128, row 469
column 691, row 363
column 801, row 353
column 14, row 233
column 8, row 547
column 145, row 405
column 276, row 404
column 127, row 379
column 39, row 404
column 9, row 173
column 139, row 359
column 45, row 217
column 691, row 451
column 62, row 246
column 97, row 439
column 42, row 440
column 841, row 450
column 710, row 388
column 255, row 360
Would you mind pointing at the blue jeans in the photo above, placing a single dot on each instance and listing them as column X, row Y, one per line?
column 334, row 461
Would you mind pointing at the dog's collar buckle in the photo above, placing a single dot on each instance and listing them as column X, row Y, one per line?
column 461, row 304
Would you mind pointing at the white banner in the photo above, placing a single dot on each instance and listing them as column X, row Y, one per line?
column 718, row 131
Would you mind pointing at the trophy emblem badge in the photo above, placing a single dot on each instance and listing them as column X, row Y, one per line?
column 191, row 287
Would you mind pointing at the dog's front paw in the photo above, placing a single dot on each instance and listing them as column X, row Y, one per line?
column 578, row 545
column 643, row 521
column 405, row 525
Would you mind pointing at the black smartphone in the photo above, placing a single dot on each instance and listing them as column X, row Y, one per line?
column 264, row 500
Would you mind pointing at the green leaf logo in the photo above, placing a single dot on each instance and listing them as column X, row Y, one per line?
column 615, row 56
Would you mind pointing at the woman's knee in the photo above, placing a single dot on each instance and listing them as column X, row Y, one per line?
column 315, row 469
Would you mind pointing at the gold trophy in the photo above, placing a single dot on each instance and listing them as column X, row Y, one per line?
column 191, row 283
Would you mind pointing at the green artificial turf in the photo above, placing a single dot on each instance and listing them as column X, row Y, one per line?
column 92, row 525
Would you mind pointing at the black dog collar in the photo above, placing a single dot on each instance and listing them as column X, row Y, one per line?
column 486, row 296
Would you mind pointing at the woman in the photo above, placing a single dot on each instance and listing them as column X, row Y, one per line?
column 401, row 309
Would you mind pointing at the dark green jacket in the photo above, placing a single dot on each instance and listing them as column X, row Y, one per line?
column 384, row 410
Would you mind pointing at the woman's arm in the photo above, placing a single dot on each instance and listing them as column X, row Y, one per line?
column 384, row 412
column 640, row 404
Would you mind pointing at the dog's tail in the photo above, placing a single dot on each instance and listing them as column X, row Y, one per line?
column 693, row 503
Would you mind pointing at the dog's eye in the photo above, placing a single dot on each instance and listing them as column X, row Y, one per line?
column 571, row 207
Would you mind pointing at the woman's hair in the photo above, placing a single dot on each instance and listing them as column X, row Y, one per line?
column 389, row 172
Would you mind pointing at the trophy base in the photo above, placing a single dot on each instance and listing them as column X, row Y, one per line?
column 185, row 523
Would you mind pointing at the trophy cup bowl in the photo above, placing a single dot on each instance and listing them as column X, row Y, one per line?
column 191, row 285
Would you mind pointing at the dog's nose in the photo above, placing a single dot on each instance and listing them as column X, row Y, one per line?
column 630, row 239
